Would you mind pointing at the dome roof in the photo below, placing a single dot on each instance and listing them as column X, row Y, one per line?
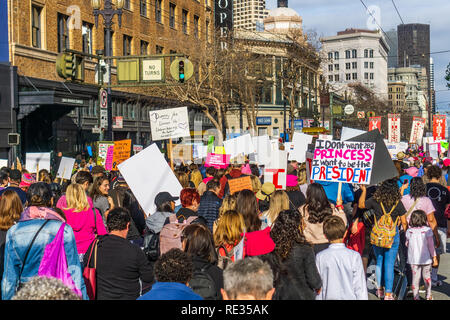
column 287, row 12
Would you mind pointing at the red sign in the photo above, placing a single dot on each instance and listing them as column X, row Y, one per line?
column 218, row 161
column 394, row 128
column 439, row 122
column 374, row 123
column 418, row 126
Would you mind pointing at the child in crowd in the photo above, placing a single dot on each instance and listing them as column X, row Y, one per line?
column 421, row 252
column 340, row 268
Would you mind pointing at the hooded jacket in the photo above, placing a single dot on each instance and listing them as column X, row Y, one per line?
column 18, row 239
column 156, row 221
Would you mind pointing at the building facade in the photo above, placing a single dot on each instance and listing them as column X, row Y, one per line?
column 397, row 96
column 64, row 113
column 356, row 55
column 249, row 14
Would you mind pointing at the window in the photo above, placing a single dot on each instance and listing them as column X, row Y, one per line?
column 63, row 33
column 172, row 52
column 144, row 47
column 159, row 49
column 336, row 77
column 371, row 54
column 207, row 31
column 143, row 7
column 354, row 65
column 86, row 31
column 371, row 65
column 354, row 53
column 196, row 18
column 36, row 26
column 348, row 76
column 347, row 66
column 184, row 17
column 371, row 76
column 158, row 17
column 330, row 78
column 336, row 55
column 172, row 15
column 330, row 55
column 366, row 65
column 330, row 67
column 347, row 54
column 366, row 53
column 126, row 45
column 366, row 76
column 354, row 76
column 126, row 5
column 336, row 67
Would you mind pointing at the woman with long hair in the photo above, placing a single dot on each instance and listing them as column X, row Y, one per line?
column 247, row 206
column 100, row 196
column 296, row 255
column 41, row 223
column 228, row 233
column 314, row 212
column 85, row 221
column 387, row 198
column 228, row 204
column 197, row 241
column 278, row 202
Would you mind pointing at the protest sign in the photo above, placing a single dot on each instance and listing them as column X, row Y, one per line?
column 182, row 152
column 439, row 122
column 218, row 161
column 375, row 123
column 89, row 150
column 65, row 168
column 240, row 145
column 342, row 161
column 102, row 150
column 395, row 148
column 169, row 123
column 219, row 150
column 325, row 137
column 3, row 163
column 262, row 149
column 236, row 185
column 300, row 142
column 275, row 171
column 433, row 149
column 199, row 151
column 109, row 158
column 417, row 129
column 122, row 151
column 394, row 128
column 37, row 161
column 137, row 148
column 348, row 133
column 147, row 174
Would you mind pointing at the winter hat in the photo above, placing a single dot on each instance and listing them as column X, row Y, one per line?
column 27, row 180
column 412, row 171
column 266, row 190
column 246, row 169
column 259, row 242
column 291, row 180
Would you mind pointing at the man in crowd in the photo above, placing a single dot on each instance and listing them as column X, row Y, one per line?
column 15, row 178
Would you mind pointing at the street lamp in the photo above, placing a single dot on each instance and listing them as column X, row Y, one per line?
column 108, row 14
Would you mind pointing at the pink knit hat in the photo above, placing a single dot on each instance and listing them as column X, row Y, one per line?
column 27, row 180
column 412, row 171
column 246, row 169
column 291, row 180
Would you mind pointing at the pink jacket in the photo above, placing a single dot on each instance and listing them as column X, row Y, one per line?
column 83, row 226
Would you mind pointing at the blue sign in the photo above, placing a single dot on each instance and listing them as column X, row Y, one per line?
column 4, row 44
column 263, row 121
column 298, row 124
column 232, row 135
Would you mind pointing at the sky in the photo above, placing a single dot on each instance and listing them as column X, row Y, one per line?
column 327, row 17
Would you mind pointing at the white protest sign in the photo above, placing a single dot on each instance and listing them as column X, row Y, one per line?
column 37, row 161
column 348, row 133
column 434, row 150
column 262, row 148
column 169, row 123
column 239, row 145
column 3, row 163
column 395, row 148
column 276, row 170
column 65, row 168
column 147, row 174
column 343, row 161
column 300, row 142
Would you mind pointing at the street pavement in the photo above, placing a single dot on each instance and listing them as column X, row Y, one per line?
column 439, row 293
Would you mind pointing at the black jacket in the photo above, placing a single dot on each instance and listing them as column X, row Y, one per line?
column 296, row 199
column 120, row 265
column 209, row 208
column 301, row 266
column 215, row 272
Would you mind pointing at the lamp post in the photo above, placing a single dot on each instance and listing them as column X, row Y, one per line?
column 108, row 14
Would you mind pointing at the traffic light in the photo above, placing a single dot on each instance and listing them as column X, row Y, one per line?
column 70, row 66
column 182, row 76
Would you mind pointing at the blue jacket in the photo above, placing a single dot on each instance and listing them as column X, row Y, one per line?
column 209, row 208
column 331, row 189
column 18, row 239
column 170, row 291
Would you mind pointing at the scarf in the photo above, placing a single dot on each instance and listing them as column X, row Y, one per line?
column 31, row 213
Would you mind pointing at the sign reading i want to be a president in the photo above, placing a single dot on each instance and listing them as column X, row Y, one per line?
column 343, row 161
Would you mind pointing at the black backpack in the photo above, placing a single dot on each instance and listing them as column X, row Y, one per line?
column 203, row 284
column 151, row 244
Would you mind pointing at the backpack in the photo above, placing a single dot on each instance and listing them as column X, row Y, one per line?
column 203, row 284
column 151, row 244
column 170, row 235
column 384, row 230
column 223, row 261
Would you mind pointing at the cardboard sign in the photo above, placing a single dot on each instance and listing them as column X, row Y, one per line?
column 342, row 161
column 219, row 150
column 375, row 123
column 122, row 151
column 439, row 122
column 102, row 147
column 394, row 128
column 182, row 152
column 417, row 129
column 300, row 142
column 240, row 145
column 169, row 123
column 236, row 185
column 109, row 158
column 3, row 163
column 218, row 161
column 433, row 149
column 199, row 151
column 276, row 170
column 262, row 149
column 147, row 174
column 65, row 168
column 395, row 148
column 37, row 161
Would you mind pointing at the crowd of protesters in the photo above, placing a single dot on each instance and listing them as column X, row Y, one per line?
column 305, row 242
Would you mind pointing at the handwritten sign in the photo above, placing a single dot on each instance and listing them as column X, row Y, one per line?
column 102, row 151
column 239, row 184
column 343, row 161
column 65, row 168
column 122, row 150
column 109, row 158
column 218, row 161
column 37, row 161
column 169, row 123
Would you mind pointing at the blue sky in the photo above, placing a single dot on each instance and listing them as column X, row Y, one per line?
column 327, row 17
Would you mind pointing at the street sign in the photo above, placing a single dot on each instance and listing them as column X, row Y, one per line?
column 103, row 118
column 188, row 69
column 118, row 123
column 349, row 109
column 103, row 99
column 361, row 114
column 96, row 130
column 13, row 139
column 153, row 69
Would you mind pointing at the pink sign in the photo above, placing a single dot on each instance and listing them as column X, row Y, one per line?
column 109, row 158
column 219, row 161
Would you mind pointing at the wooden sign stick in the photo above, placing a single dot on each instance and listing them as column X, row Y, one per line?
column 170, row 153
